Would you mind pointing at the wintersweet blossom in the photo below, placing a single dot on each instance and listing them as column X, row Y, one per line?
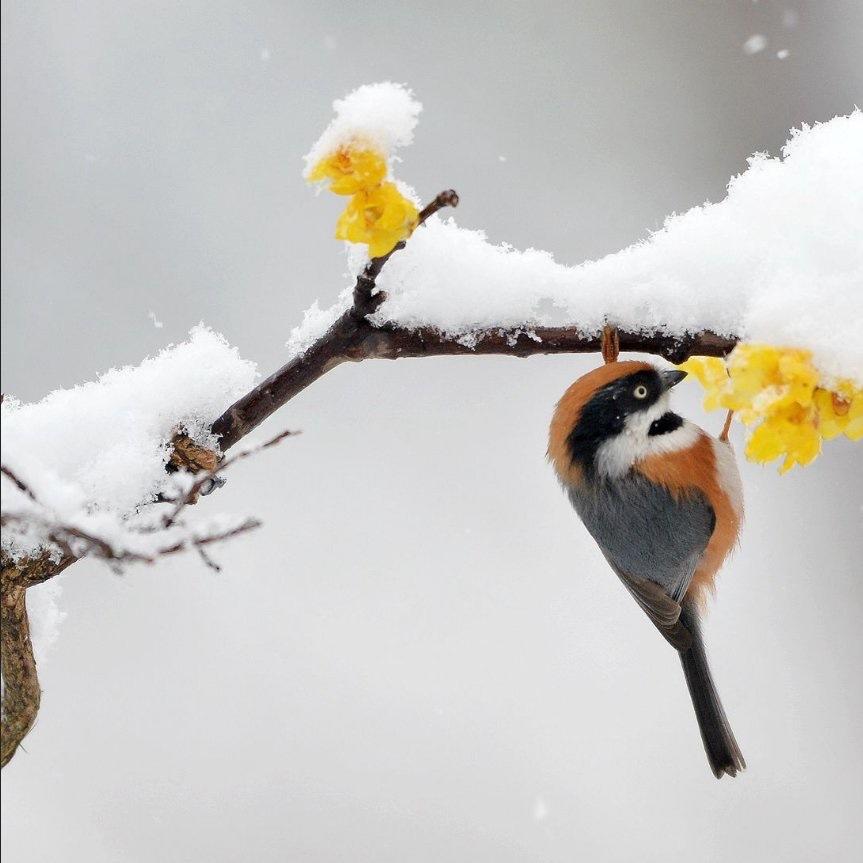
column 840, row 412
column 380, row 217
column 378, row 214
column 777, row 391
column 350, row 171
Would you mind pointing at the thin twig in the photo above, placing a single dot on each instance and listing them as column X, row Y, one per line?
column 208, row 561
column 366, row 301
column 726, row 429
column 21, row 485
column 198, row 485
column 66, row 537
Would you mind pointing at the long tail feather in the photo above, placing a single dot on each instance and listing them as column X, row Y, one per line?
column 723, row 753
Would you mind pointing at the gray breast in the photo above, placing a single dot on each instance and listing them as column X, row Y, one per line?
column 644, row 531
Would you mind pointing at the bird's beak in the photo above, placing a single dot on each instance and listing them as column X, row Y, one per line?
column 671, row 378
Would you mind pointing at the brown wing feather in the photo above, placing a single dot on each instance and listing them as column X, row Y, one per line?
column 662, row 610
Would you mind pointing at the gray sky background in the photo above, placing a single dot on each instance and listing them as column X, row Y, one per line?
column 421, row 655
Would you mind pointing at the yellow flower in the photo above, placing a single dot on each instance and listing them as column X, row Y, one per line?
column 840, row 412
column 776, row 390
column 380, row 217
column 712, row 375
column 350, row 171
column 788, row 431
column 765, row 378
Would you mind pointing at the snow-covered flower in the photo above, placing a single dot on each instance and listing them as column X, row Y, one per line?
column 355, row 153
column 350, row 170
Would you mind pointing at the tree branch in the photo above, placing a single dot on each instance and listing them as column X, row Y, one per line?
column 21, row 693
column 351, row 338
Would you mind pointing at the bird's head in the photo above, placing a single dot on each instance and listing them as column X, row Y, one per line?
column 612, row 417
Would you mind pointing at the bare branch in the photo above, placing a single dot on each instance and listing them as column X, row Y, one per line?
column 353, row 338
column 20, row 484
column 197, row 488
column 349, row 340
column 366, row 301
column 77, row 543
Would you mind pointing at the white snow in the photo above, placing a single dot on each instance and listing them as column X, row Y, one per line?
column 45, row 617
column 755, row 44
column 540, row 809
column 779, row 260
column 380, row 116
column 93, row 454
column 316, row 321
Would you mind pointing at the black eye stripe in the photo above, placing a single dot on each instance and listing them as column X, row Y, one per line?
column 604, row 415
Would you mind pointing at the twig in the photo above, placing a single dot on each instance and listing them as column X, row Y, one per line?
column 208, row 561
column 66, row 537
column 199, row 484
column 726, row 429
column 366, row 301
column 21, row 485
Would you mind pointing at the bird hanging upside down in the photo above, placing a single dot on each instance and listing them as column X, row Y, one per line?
column 663, row 500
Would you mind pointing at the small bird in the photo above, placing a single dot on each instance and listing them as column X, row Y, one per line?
column 664, row 502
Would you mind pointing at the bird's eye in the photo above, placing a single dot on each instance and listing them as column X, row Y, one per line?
column 640, row 392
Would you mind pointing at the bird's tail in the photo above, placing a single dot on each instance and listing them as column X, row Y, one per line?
column 723, row 753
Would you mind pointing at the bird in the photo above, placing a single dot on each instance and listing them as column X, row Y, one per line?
column 663, row 500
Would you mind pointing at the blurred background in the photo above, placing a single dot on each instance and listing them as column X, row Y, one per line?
column 421, row 655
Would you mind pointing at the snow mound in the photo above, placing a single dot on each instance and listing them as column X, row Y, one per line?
column 45, row 616
column 93, row 454
column 380, row 116
column 779, row 260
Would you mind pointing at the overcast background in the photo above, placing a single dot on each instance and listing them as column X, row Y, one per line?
column 421, row 655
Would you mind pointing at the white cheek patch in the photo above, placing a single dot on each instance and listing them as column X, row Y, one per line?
column 618, row 454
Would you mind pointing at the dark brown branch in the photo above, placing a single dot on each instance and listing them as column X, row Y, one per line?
column 366, row 301
column 21, row 692
column 353, row 338
column 350, row 340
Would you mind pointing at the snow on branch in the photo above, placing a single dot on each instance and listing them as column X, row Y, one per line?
column 778, row 261
column 84, row 471
column 91, row 458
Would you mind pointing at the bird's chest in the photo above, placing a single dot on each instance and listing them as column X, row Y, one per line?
column 642, row 528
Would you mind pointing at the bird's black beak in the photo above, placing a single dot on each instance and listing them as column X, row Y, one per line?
column 671, row 378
